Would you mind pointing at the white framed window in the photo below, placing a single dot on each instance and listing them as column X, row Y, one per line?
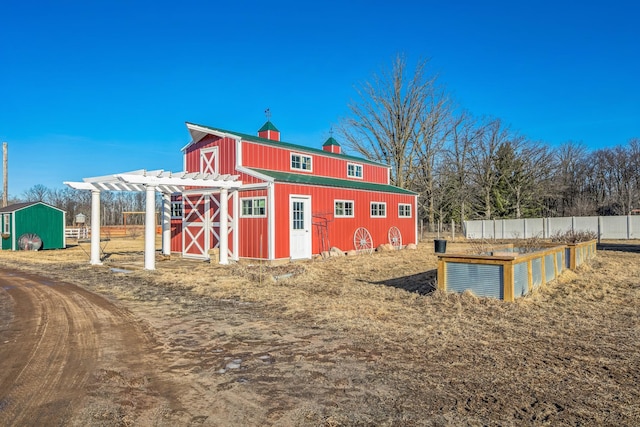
column 255, row 207
column 404, row 210
column 379, row 209
column 6, row 223
column 300, row 162
column 343, row 208
column 209, row 160
column 354, row 170
column 176, row 209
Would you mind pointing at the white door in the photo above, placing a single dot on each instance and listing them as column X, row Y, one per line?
column 300, row 226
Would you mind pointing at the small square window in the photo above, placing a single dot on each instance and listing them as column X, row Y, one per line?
column 343, row 208
column 378, row 209
column 256, row 207
column 300, row 162
column 354, row 170
column 404, row 210
column 176, row 209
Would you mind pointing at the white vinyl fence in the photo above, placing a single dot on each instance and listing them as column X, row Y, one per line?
column 606, row 227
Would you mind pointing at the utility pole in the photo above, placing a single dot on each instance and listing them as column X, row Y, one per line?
column 5, row 175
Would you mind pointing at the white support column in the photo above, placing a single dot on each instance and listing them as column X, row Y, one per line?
column 236, row 234
column 224, row 226
column 166, row 224
column 95, row 227
column 271, row 221
column 150, row 229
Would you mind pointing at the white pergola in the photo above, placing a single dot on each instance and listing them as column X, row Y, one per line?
column 163, row 182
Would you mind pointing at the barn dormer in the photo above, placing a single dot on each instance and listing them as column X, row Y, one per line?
column 331, row 145
column 269, row 131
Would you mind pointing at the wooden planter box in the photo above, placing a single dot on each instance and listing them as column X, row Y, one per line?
column 508, row 275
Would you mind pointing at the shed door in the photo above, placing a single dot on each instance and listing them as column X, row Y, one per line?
column 300, row 227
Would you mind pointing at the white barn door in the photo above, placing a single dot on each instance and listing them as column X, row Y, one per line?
column 195, row 238
column 300, row 227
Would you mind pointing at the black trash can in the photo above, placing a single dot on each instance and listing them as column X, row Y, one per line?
column 440, row 246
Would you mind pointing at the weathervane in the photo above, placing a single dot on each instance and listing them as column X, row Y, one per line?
column 267, row 113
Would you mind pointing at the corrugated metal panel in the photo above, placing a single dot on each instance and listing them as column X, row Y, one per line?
column 536, row 272
column 549, row 270
column 567, row 258
column 520, row 279
column 559, row 261
column 482, row 279
column 579, row 256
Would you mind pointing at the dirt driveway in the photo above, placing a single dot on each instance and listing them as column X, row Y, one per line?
column 351, row 341
column 60, row 344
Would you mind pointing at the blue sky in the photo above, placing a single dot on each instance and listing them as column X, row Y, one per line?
column 91, row 88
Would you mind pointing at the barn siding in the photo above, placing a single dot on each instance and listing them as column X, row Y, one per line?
column 254, row 232
column 341, row 230
column 279, row 159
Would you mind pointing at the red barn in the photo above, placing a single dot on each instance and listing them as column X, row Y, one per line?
column 294, row 201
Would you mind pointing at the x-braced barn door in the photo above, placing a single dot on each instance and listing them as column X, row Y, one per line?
column 195, row 237
column 231, row 223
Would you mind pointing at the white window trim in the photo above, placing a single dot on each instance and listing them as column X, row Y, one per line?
column 356, row 166
column 353, row 209
column 378, row 203
column 216, row 165
column 253, row 199
column 6, row 223
column 301, row 157
column 410, row 210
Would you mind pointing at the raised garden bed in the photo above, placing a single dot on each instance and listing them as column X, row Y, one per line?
column 507, row 273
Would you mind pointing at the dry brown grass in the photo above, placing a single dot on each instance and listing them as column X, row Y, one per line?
column 404, row 353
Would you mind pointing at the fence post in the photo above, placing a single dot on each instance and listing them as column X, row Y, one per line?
column 599, row 228
column 453, row 230
column 629, row 231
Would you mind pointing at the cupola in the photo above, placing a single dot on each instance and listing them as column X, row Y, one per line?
column 331, row 145
column 269, row 131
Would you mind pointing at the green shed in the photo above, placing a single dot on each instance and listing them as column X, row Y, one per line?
column 38, row 218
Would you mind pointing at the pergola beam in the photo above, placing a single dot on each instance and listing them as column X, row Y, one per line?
column 149, row 182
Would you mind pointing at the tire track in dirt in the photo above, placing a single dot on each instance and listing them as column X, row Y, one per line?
column 56, row 345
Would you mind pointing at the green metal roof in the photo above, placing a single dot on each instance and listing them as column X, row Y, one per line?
column 251, row 138
column 268, row 126
column 298, row 178
column 330, row 141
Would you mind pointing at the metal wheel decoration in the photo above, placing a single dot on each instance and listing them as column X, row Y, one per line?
column 395, row 237
column 29, row 242
column 362, row 241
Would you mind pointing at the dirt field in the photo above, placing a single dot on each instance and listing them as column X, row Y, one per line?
column 362, row 341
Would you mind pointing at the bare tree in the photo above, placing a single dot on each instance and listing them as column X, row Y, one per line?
column 37, row 193
column 390, row 117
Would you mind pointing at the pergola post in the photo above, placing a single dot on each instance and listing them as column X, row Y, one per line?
column 150, row 228
column 95, row 227
column 166, row 224
column 224, row 226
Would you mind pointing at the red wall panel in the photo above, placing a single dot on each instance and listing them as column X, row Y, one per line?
column 279, row 159
column 253, row 237
column 341, row 230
